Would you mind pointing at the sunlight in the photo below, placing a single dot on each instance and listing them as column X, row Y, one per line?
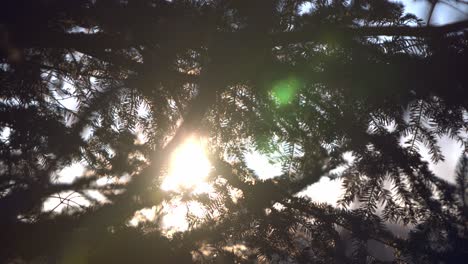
column 189, row 168
column 179, row 216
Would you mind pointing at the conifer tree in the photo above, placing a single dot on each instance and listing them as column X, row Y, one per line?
column 84, row 80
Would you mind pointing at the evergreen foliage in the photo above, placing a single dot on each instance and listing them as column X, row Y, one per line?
column 83, row 80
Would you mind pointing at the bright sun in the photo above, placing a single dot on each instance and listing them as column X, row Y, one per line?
column 188, row 168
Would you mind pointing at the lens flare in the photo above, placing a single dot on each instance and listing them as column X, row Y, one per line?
column 284, row 91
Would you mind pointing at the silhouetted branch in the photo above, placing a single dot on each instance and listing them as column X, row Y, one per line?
column 102, row 41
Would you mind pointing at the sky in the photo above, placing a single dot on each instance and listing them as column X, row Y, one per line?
column 444, row 12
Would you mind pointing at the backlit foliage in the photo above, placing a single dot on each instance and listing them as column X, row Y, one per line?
column 117, row 86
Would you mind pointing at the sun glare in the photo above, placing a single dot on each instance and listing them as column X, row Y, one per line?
column 188, row 168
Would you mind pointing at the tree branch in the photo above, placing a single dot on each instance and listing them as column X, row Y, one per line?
column 316, row 34
column 97, row 41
